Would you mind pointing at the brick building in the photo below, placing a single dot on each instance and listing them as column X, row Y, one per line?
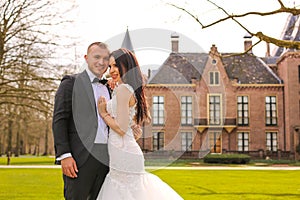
column 226, row 103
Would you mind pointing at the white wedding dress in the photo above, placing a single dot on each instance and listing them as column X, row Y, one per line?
column 127, row 178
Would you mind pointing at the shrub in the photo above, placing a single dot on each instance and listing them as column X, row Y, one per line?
column 227, row 158
column 298, row 148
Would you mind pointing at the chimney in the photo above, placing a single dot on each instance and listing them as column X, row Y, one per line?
column 149, row 73
column 174, row 41
column 247, row 43
column 268, row 50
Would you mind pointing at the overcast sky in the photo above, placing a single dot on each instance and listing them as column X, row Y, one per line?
column 107, row 21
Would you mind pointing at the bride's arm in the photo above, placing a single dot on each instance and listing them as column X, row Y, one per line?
column 120, row 123
column 111, row 122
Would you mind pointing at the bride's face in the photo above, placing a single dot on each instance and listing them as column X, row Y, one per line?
column 114, row 71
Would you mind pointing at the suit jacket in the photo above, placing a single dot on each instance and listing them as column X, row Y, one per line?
column 75, row 119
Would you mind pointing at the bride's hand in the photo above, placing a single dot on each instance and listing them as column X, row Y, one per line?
column 102, row 105
column 112, row 84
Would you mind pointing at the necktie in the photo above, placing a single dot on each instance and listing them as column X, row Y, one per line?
column 97, row 80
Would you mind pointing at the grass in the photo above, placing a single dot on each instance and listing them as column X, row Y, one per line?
column 31, row 184
column 44, row 184
column 228, row 185
column 49, row 160
column 28, row 160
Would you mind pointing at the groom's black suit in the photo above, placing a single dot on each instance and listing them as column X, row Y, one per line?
column 75, row 126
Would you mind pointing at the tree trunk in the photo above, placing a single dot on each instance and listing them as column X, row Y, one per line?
column 34, row 151
column 8, row 157
column 29, row 151
column 37, row 150
column 2, row 138
column 18, row 128
column 46, row 137
column 22, row 152
column 17, row 149
column 9, row 139
column 24, row 138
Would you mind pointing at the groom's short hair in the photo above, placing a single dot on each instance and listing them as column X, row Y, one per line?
column 99, row 44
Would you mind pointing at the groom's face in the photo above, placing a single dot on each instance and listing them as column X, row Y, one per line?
column 97, row 59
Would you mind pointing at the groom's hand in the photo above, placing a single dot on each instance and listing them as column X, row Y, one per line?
column 69, row 167
column 137, row 131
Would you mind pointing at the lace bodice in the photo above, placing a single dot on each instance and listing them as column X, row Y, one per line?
column 111, row 106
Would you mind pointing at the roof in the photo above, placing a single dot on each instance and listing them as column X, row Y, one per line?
column 249, row 69
column 180, row 68
column 127, row 42
column 290, row 32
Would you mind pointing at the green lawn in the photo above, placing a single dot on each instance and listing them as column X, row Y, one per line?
column 234, row 184
column 28, row 160
column 39, row 184
column 49, row 160
column 31, row 184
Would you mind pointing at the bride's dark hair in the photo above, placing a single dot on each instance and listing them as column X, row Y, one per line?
column 131, row 74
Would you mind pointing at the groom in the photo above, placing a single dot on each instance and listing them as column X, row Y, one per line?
column 80, row 134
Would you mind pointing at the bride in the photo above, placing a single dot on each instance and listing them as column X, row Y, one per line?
column 127, row 178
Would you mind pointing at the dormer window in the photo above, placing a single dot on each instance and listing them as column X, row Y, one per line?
column 214, row 78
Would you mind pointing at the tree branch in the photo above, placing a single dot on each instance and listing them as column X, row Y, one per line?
column 261, row 36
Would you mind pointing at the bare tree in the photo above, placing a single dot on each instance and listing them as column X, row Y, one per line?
column 282, row 8
column 28, row 40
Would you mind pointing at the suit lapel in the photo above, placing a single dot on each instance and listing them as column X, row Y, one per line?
column 88, row 88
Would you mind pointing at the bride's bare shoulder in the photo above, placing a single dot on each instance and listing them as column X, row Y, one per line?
column 124, row 88
column 126, row 92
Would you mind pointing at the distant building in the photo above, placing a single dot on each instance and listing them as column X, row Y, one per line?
column 224, row 103
column 127, row 41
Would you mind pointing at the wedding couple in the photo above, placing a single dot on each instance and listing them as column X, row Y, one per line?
column 95, row 131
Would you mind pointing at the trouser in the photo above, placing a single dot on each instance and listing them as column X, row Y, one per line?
column 90, row 176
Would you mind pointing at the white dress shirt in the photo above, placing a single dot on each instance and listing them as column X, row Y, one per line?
column 99, row 90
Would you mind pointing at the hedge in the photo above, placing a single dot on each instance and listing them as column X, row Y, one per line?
column 227, row 158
